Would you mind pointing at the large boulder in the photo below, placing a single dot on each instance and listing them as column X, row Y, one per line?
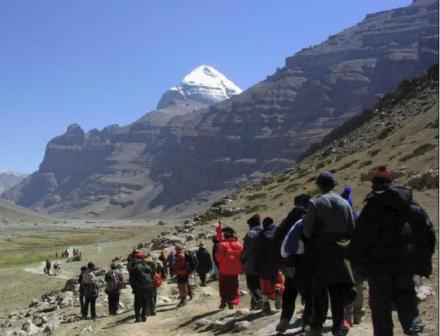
column 30, row 328
column 65, row 299
column 427, row 179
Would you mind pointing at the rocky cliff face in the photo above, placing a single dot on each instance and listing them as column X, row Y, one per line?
column 187, row 147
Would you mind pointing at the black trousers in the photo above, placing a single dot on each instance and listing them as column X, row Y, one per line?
column 81, row 301
column 141, row 304
column 92, row 302
column 320, row 306
column 113, row 303
column 395, row 289
column 290, row 294
column 253, row 284
column 202, row 276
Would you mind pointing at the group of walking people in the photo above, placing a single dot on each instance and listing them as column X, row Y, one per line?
column 146, row 274
column 322, row 251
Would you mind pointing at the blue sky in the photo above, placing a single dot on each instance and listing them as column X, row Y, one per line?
column 100, row 62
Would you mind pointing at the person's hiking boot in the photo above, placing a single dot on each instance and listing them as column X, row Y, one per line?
column 230, row 306
column 259, row 305
column 266, row 308
column 314, row 332
column 137, row 320
column 416, row 328
column 222, row 305
column 282, row 325
column 181, row 303
column 144, row 318
column 278, row 299
column 253, row 303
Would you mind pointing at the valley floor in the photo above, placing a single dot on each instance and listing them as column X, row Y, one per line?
column 21, row 284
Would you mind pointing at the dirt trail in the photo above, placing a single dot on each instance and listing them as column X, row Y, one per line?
column 204, row 306
column 65, row 274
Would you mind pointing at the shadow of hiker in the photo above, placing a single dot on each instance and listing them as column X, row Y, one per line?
column 124, row 320
column 165, row 305
column 197, row 317
column 229, row 328
column 166, row 309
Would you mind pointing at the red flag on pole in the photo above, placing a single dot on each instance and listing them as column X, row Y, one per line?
column 219, row 232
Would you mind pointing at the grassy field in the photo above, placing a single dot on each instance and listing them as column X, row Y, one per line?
column 27, row 246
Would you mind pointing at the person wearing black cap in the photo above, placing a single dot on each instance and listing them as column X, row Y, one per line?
column 114, row 283
column 141, row 278
column 81, row 288
column 204, row 263
column 91, row 290
column 384, row 249
column 248, row 260
column 329, row 225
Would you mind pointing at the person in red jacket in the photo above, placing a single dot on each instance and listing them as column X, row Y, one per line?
column 228, row 256
column 180, row 269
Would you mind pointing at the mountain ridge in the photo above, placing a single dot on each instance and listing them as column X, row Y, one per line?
column 157, row 163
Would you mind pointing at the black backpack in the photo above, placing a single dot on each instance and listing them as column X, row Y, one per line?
column 424, row 240
column 191, row 261
column 142, row 276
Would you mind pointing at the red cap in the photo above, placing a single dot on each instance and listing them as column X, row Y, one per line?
column 382, row 172
column 139, row 255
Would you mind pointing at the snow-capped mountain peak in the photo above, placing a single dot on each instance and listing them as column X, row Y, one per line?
column 204, row 84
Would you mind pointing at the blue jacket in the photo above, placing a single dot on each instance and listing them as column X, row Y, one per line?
column 248, row 254
column 265, row 260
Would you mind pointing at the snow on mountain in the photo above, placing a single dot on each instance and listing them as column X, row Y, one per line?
column 204, row 84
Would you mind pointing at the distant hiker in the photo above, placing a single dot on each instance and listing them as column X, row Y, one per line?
column 81, row 289
column 204, row 264
column 141, row 277
column 48, row 267
column 91, row 291
column 214, row 274
column 156, row 268
column 329, row 225
column 114, row 283
column 171, row 259
column 228, row 256
column 271, row 280
column 56, row 268
column 347, row 195
column 355, row 311
column 294, row 264
column 384, row 248
column 56, row 255
column 180, row 269
column 248, row 260
column 163, row 259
